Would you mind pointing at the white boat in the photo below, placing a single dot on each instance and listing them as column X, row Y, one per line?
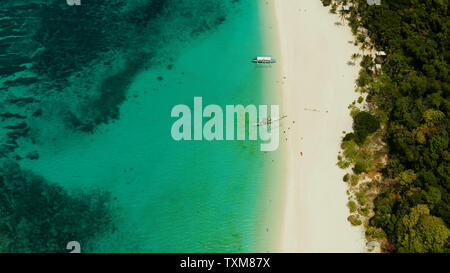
column 264, row 60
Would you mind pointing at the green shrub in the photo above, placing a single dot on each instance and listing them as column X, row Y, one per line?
column 420, row 232
column 361, row 197
column 354, row 220
column 367, row 61
column 352, row 206
column 350, row 149
column 366, row 121
column 361, row 136
column 361, row 38
column 364, row 124
column 333, row 8
column 346, row 177
column 359, row 168
column 375, row 233
column 362, row 165
column 349, row 136
column 354, row 179
column 363, row 79
column 364, row 211
column 326, row 3
column 343, row 164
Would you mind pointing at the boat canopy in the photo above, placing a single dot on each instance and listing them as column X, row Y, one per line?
column 263, row 59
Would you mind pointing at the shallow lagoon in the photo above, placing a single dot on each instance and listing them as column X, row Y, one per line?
column 169, row 196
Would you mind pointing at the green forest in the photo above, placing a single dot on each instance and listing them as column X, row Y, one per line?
column 410, row 99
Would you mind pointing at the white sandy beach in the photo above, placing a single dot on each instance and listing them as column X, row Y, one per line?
column 317, row 86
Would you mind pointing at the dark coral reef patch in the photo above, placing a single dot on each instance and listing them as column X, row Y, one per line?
column 38, row 216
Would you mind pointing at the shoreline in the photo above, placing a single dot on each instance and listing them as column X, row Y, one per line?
column 271, row 192
column 317, row 86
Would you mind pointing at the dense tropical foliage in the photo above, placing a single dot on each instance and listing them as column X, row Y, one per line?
column 410, row 99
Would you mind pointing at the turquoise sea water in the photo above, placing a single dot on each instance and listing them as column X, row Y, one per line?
column 168, row 196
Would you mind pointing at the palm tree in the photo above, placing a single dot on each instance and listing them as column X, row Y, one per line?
column 342, row 14
column 364, row 46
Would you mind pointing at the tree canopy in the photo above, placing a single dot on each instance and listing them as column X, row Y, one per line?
column 412, row 99
column 421, row 232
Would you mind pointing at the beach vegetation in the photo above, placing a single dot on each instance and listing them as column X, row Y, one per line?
column 364, row 78
column 361, row 198
column 361, row 166
column 354, row 179
column 333, row 8
column 352, row 206
column 326, row 3
column 420, row 232
column 367, row 63
column 353, row 22
column 405, row 130
column 354, row 220
column 355, row 56
column 364, row 124
column 354, row 111
column 373, row 233
column 349, row 137
column 364, row 211
column 349, row 147
column 406, row 178
column 361, row 38
column 346, row 177
column 343, row 164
